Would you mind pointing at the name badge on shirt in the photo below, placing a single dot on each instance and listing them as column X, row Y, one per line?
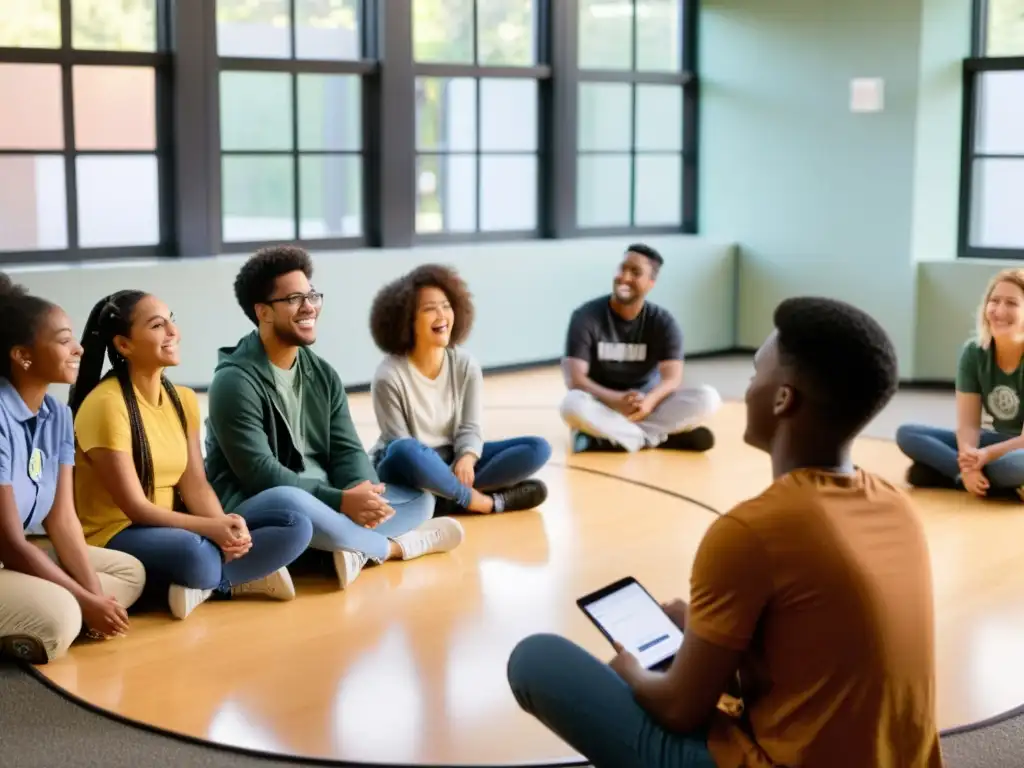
column 35, row 465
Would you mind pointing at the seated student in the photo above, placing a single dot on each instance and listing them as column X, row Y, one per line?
column 989, row 379
column 139, row 482
column 812, row 601
column 44, row 604
column 279, row 416
column 623, row 366
column 427, row 396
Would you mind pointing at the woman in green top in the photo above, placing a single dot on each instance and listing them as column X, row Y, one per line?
column 985, row 460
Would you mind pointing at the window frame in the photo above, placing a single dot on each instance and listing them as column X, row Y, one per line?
column 67, row 58
column 973, row 70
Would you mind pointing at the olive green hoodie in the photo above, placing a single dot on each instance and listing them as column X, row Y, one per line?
column 249, row 446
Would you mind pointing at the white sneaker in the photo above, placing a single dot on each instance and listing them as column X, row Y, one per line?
column 348, row 565
column 277, row 586
column 184, row 600
column 442, row 534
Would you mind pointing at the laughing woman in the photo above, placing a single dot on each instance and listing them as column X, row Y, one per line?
column 140, row 485
column 427, row 397
column 989, row 388
column 48, row 593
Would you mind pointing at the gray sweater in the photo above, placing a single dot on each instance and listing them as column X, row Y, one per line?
column 445, row 411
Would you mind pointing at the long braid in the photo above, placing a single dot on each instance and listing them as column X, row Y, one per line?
column 172, row 393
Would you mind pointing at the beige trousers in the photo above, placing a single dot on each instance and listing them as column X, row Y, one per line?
column 40, row 609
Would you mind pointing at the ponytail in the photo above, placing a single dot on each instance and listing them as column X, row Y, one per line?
column 112, row 317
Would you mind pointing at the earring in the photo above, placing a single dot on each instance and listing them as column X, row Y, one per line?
column 27, row 363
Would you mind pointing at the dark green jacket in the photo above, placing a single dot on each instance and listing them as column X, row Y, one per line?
column 249, row 447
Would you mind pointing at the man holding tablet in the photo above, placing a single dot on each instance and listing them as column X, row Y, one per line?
column 817, row 594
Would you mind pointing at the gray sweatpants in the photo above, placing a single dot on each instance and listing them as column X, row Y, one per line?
column 684, row 409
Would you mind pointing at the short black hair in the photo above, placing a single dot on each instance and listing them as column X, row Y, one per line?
column 255, row 281
column 393, row 313
column 844, row 355
column 657, row 262
column 21, row 314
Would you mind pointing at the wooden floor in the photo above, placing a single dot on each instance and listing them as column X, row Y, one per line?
column 408, row 666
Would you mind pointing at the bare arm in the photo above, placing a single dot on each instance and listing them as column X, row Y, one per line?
column 575, row 373
column 671, row 373
column 196, row 491
column 968, row 420
column 65, row 533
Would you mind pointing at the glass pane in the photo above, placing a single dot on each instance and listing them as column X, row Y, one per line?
column 446, row 114
column 508, row 192
column 603, row 185
column 606, row 34
column 33, row 203
column 508, row 115
column 606, row 117
column 659, row 190
column 446, row 193
column 115, row 107
column 506, row 33
column 659, row 35
column 998, row 189
column 659, row 117
column 254, row 28
column 330, row 112
column 1005, row 28
column 1000, row 126
column 331, row 196
column 33, row 93
column 30, row 24
column 118, row 200
column 327, row 29
column 105, row 25
column 255, row 110
column 442, row 31
column 258, row 198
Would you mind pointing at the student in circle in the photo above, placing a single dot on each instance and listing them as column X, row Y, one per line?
column 279, row 417
column 984, row 455
column 140, row 485
column 427, row 395
column 53, row 586
column 623, row 366
column 812, row 601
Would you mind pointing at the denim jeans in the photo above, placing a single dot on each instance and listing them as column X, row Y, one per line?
column 936, row 448
column 176, row 556
column 589, row 707
column 503, row 463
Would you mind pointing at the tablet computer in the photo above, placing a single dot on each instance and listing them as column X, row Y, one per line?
column 626, row 613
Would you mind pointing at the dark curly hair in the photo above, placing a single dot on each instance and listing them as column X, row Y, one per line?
column 255, row 281
column 842, row 353
column 393, row 314
column 21, row 314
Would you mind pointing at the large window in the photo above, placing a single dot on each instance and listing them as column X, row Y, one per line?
column 477, row 117
column 992, row 175
column 83, row 129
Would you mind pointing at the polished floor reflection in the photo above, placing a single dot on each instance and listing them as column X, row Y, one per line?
column 408, row 666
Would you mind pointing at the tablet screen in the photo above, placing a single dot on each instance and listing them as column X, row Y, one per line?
column 633, row 618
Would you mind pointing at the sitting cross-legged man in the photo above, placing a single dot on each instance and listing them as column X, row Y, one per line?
column 623, row 366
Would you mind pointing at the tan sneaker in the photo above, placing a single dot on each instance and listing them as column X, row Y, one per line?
column 277, row 586
column 442, row 534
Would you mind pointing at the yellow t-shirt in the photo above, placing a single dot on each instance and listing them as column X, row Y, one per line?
column 102, row 422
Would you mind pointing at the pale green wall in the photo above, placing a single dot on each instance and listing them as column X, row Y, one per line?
column 524, row 293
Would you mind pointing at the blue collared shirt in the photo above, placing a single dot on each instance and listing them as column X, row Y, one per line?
column 32, row 448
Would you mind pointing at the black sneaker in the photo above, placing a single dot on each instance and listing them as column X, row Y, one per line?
column 23, row 648
column 584, row 443
column 528, row 494
column 700, row 439
column 922, row 476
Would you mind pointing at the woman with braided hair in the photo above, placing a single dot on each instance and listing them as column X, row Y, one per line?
column 140, row 485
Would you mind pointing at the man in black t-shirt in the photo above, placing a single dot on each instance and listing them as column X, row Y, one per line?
column 623, row 366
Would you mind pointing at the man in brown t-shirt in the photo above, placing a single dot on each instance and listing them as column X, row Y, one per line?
column 816, row 596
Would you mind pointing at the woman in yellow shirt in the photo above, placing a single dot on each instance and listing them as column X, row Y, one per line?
column 140, row 485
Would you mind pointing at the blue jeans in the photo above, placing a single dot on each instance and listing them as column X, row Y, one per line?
column 176, row 556
column 590, row 708
column 503, row 463
column 334, row 531
column 936, row 447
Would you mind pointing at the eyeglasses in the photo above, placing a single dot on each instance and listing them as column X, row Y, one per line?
column 295, row 300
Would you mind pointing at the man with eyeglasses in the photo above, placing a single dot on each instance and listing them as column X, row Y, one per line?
column 279, row 418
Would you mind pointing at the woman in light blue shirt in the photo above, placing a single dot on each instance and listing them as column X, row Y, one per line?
column 52, row 587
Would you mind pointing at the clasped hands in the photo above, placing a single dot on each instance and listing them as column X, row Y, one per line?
column 231, row 534
column 971, row 460
column 365, row 504
column 635, row 406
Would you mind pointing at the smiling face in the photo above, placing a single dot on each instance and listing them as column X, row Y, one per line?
column 292, row 310
column 153, row 337
column 1004, row 311
column 634, row 280
column 54, row 355
column 434, row 317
